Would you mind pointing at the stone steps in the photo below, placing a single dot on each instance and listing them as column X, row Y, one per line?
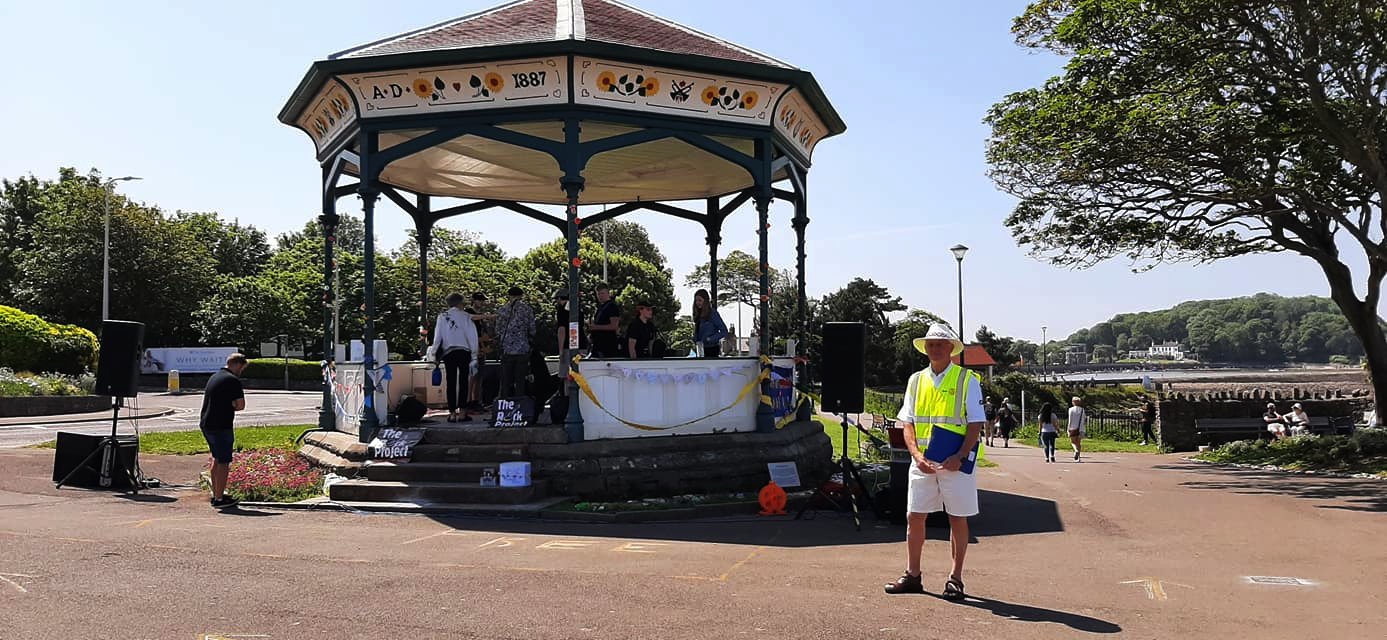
column 429, row 471
column 432, row 492
column 459, row 453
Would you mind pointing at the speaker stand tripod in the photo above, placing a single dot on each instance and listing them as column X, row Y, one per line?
column 852, row 484
column 108, row 449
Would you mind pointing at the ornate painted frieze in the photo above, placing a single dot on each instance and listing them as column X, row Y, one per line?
column 460, row 88
column 798, row 122
column 678, row 93
column 329, row 113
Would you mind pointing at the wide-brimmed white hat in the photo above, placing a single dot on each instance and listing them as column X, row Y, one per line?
column 939, row 332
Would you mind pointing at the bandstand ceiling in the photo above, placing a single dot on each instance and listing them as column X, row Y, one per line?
column 475, row 167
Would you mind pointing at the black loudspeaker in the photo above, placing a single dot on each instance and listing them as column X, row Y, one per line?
column 118, row 370
column 73, row 448
column 844, row 370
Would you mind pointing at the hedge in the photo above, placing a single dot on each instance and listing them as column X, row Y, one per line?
column 30, row 343
column 273, row 368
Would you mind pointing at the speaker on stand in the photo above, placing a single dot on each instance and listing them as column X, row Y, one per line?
column 117, row 375
column 844, row 377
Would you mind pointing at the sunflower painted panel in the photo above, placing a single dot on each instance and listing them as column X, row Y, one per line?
column 460, row 88
column 800, row 125
column 329, row 113
column 680, row 93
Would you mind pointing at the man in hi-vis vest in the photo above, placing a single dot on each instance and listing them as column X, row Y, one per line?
column 944, row 412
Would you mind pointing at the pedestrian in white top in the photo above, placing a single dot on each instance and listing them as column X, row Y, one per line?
column 1048, row 432
column 1077, row 424
column 454, row 342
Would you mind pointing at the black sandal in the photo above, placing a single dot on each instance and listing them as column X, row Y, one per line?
column 953, row 589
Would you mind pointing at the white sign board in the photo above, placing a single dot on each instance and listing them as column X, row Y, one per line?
column 784, row 474
column 185, row 360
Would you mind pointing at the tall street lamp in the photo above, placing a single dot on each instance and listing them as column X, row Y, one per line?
column 106, row 249
column 959, row 250
column 1043, row 354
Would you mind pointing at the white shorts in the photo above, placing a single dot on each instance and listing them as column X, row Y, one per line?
column 954, row 492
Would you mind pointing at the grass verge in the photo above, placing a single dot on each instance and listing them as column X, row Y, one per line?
column 190, row 443
column 1363, row 452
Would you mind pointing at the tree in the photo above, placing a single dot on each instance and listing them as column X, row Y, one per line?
column 1002, row 349
column 20, row 204
column 237, row 250
column 1197, row 130
column 631, row 279
column 159, row 269
column 867, row 302
column 446, row 243
column 739, row 279
column 629, row 238
column 244, row 312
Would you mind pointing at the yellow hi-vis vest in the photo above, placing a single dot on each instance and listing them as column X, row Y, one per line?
column 942, row 406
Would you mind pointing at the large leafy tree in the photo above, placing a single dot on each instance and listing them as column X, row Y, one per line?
column 20, row 203
column 238, row 250
column 630, row 238
column 1206, row 129
column 869, row 303
column 159, row 268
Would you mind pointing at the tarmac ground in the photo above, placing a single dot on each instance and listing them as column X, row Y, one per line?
column 1141, row 546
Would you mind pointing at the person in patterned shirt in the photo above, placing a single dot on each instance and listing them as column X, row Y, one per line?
column 515, row 330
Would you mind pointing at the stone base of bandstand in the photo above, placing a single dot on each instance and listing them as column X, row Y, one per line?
column 444, row 472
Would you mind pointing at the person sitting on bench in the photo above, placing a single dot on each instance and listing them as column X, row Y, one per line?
column 1276, row 423
column 1298, row 421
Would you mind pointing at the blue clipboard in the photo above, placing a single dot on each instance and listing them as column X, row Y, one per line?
column 944, row 443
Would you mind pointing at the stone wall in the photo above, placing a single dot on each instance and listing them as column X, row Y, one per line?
column 1177, row 412
column 629, row 468
column 25, row 406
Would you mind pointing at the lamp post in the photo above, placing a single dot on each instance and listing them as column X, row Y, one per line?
column 959, row 250
column 1043, row 355
column 106, row 249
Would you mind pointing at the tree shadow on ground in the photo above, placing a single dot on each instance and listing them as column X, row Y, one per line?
column 1027, row 613
column 1001, row 514
column 1352, row 494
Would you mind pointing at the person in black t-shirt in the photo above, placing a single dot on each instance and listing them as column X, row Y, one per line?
column 641, row 332
column 221, row 399
column 606, row 322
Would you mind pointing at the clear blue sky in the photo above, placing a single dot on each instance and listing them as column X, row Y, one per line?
column 185, row 95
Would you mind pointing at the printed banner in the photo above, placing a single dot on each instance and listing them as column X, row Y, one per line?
column 185, row 359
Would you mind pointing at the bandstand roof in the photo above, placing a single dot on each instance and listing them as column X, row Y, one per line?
column 524, row 66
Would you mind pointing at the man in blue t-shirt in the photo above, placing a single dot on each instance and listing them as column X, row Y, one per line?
column 221, row 399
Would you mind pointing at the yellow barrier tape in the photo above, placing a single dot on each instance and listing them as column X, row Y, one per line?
column 582, row 383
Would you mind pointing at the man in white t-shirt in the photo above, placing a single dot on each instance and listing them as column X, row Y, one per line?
column 936, row 486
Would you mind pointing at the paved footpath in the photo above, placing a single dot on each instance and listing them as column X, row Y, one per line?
column 1128, row 545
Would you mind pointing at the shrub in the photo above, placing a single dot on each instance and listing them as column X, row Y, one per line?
column 273, row 368
column 29, row 343
column 1371, row 442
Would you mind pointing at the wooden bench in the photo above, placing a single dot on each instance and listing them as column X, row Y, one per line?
column 1221, row 430
column 1215, row 431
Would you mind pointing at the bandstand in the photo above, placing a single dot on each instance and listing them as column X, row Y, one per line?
column 570, row 103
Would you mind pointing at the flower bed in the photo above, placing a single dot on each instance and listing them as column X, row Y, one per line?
column 272, row 475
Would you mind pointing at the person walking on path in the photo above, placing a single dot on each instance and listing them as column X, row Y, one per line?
column 1048, row 432
column 1148, row 420
column 1077, row 426
column 1006, row 422
column 942, row 401
column 989, row 428
column 454, row 342
column 221, row 399
column 515, row 329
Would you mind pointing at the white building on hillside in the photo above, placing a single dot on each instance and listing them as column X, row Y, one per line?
column 1163, row 351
